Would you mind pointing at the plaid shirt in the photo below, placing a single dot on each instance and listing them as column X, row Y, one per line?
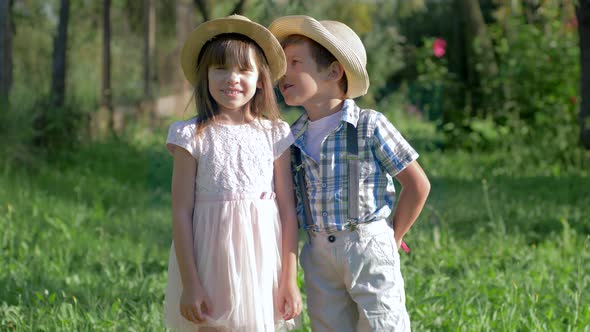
column 383, row 153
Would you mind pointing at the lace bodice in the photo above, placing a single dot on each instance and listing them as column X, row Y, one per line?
column 232, row 158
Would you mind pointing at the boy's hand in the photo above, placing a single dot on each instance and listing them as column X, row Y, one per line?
column 289, row 300
column 194, row 304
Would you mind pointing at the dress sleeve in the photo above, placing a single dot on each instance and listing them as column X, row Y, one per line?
column 282, row 138
column 182, row 134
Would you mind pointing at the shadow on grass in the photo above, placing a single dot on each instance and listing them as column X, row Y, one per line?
column 113, row 189
column 537, row 207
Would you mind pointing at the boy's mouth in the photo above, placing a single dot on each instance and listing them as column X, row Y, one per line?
column 286, row 86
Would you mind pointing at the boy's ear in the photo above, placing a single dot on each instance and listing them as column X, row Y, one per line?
column 335, row 71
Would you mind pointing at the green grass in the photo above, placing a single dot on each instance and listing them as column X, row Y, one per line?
column 85, row 237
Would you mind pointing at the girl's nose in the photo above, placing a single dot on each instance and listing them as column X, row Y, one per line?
column 233, row 76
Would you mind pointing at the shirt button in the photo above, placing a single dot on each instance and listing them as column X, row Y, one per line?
column 331, row 238
column 324, row 185
column 325, row 214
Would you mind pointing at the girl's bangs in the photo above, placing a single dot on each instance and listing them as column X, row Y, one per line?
column 230, row 51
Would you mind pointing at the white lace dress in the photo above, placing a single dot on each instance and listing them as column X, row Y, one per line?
column 236, row 226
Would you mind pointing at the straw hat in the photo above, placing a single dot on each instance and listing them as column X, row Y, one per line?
column 337, row 38
column 232, row 24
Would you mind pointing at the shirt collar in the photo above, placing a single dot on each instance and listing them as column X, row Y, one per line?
column 350, row 113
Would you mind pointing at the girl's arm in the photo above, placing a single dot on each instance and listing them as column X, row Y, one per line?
column 411, row 199
column 289, row 296
column 194, row 301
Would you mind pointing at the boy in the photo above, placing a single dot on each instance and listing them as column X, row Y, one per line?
column 345, row 158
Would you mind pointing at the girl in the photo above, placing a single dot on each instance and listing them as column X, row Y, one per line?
column 234, row 219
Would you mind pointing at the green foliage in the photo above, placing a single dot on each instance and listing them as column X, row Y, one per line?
column 538, row 73
column 433, row 83
column 531, row 102
column 385, row 53
column 17, row 133
column 57, row 128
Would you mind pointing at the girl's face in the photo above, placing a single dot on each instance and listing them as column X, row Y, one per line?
column 232, row 85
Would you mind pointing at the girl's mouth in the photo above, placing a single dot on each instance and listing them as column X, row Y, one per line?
column 231, row 92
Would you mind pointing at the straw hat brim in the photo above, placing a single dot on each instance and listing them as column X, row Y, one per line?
column 352, row 60
column 232, row 24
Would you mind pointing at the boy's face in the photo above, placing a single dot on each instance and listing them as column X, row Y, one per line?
column 302, row 81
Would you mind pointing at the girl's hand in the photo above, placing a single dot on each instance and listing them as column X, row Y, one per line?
column 194, row 304
column 289, row 300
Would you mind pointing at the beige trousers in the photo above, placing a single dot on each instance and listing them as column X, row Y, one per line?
column 353, row 280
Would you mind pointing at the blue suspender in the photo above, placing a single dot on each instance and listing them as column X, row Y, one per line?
column 352, row 155
column 353, row 179
column 300, row 170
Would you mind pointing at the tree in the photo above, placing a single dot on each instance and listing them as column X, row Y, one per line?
column 480, row 62
column 106, row 93
column 149, row 41
column 583, row 17
column 149, row 46
column 5, row 49
column 58, row 77
column 48, row 133
column 206, row 8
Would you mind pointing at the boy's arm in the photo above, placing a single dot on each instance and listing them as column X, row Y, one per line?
column 398, row 158
column 411, row 199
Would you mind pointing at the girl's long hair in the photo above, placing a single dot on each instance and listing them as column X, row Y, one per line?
column 234, row 50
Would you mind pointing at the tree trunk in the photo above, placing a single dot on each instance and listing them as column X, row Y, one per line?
column 475, row 29
column 185, row 22
column 106, row 99
column 149, row 47
column 149, row 23
column 5, row 50
column 205, row 9
column 58, row 77
column 240, row 7
column 583, row 16
column 43, row 136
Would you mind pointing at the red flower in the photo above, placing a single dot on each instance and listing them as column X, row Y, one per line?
column 572, row 23
column 573, row 100
column 439, row 47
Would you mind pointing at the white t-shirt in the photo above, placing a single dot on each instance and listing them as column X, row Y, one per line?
column 317, row 131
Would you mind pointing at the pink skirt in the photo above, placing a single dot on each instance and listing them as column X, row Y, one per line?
column 237, row 248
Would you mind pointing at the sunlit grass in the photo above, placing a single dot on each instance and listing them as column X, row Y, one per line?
column 85, row 237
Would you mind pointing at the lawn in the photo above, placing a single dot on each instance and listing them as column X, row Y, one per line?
column 85, row 237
